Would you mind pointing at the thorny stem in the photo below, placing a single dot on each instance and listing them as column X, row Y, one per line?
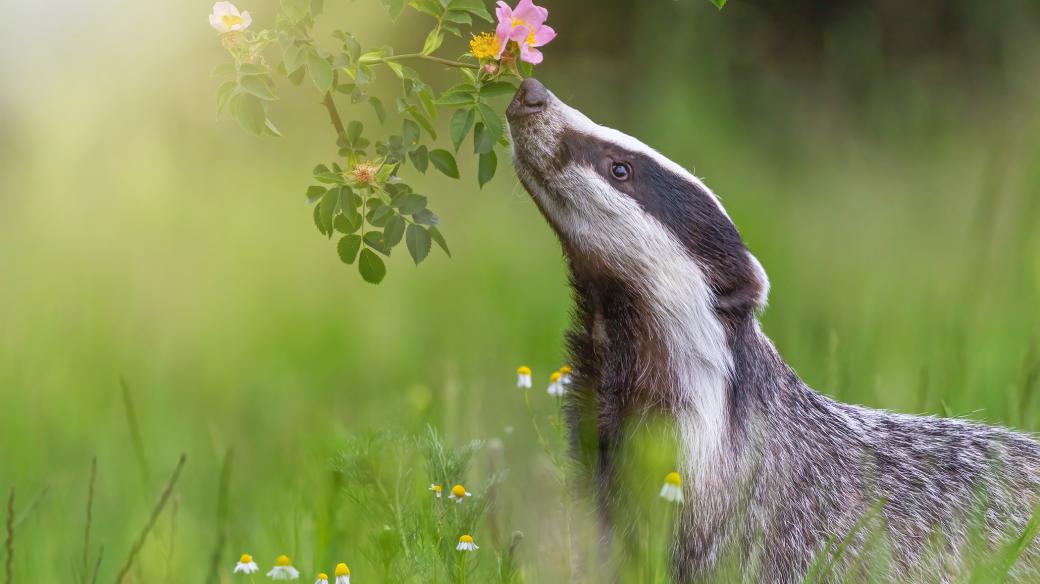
column 420, row 56
column 337, row 122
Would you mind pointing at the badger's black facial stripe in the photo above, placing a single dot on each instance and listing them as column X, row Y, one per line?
column 684, row 207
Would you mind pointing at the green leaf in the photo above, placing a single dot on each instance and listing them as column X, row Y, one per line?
column 433, row 41
column 420, row 158
column 492, row 121
column 320, row 70
column 718, row 3
column 410, row 204
column 223, row 69
column 410, row 134
column 315, row 193
column 496, row 88
column 427, row 101
column 271, row 130
column 380, row 214
column 431, row 7
column 488, row 164
column 348, row 248
column 418, row 242
column 293, row 58
column 456, row 98
column 377, row 105
column 482, row 141
column 460, row 124
column 395, row 8
column 458, row 16
column 474, row 7
column 344, row 225
column 372, row 268
column 327, row 206
column 257, row 85
column 435, row 235
column 249, row 112
column 443, row 161
column 317, row 220
column 224, row 93
column 394, row 231
column 374, row 240
column 423, row 121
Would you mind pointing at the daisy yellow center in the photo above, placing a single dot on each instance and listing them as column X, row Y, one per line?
column 484, row 45
column 673, row 479
column 323, row 576
column 342, row 570
column 282, row 561
column 466, row 539
column 565, row 369
column 438, row 488
column 523, row 370
column 231, row 20
column 458, row 491
column 245, row 559
column 555, row 376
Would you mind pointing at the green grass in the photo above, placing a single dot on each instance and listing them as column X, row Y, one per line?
column 140, row 240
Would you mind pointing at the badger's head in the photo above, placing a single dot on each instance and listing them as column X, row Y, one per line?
column 621, row 208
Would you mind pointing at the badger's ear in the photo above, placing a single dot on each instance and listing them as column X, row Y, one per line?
column 749, row 292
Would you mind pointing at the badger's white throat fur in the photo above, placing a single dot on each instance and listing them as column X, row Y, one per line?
column 667, row 297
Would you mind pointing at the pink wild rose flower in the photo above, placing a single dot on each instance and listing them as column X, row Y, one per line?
column 524, row 25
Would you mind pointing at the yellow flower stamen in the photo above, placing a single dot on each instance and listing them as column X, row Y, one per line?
column 459, row 491
column 466, row 539
column 523, row 370
column 231, row 20
column 566, row 369
column 673, row 478
column 245, row 559
column 282, row 560
column 342, row 570
column 555, row 376
column 323, row 576
column 484, row 45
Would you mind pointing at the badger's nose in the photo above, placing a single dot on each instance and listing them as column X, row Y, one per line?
column 531, row 98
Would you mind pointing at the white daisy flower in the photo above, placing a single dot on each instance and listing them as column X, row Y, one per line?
column 246, row 565
column 672, row 489
column 342, row 574
column 523, row 377
column 565, row 374
column 323, row 578
column 459, row 492
column 226, row 18
column 437, row 489
column 283, row 570
column 555, row 386
column 466, row 544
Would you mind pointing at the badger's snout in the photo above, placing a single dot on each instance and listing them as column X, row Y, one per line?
column 531, row 98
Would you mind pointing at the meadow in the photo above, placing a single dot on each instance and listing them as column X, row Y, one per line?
column 163, row 289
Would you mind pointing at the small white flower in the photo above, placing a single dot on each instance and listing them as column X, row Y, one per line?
column 323, row 578
column 246, row 565
column 555, row 385
column 672, row 489
column 565, row 374
column 466, row 544
column 459, row 492
column 436, row 489
column 283, row 570
column 226, row 18
column 523, row 377
column 342, row 574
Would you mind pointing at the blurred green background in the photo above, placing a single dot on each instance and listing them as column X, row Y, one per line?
column 882, row 159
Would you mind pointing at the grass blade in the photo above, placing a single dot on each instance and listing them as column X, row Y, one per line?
column 9, row 546
column 163, row 499
column 223, row 489
column 90, row 518
column 135, row 434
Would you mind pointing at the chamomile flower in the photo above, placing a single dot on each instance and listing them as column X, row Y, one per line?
column 342, row 574
column 283, row 570
column 466, row 544
column 523, row 377
column 672, row 489
column 565, row 374
column 555, row 385
column 437, row 489
column 246, row 565
column 459, row 492
column 323, row 578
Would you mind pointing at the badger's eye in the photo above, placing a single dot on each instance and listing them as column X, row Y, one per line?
column 620, row 171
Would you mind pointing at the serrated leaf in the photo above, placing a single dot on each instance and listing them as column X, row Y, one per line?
column 456, row 98
column 486, row 168
column 425, row 217
column 443, row 161
column 420, row 158
column 433, row 41
column 372, row 268
column 427, row 101
column 223, row 69
column 374, row 240
column 327, row 206
column 394, row 231
column 317, row 220
column 474, row 7
column 224, row 93
column 435, row 235
column 410, row 204
column 395, row 8
column 257, row 85
column 431, row 7
column 380, row 214
column 344, row 225
column 496, row 88
column 492, row 121
column 482, row 142
column 249, row 112
column 377, row 105
column 423, row 121
column 320, row 70
column 315, row 193
column 410, row 134
column 459, row 126
column 293, row 58
column 418, row 242
column 348, row 248
column 458, row 16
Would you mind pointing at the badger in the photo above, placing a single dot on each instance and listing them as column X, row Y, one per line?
column 667, row 298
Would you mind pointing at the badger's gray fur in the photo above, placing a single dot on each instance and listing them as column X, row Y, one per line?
column 667, row 297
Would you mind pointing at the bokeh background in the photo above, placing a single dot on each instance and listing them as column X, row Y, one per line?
column 881, row 158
